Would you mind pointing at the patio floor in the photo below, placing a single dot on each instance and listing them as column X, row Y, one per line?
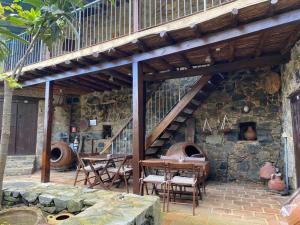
column 224, row 204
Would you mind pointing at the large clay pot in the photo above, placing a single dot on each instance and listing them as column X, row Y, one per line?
column 290, row 210
column 250, row 134
column 276, row 184
column 61, row 156
column 266, row 171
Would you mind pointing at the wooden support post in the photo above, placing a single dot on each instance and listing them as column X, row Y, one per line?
column 136, row 15
column 138, row 143
column 47, row 132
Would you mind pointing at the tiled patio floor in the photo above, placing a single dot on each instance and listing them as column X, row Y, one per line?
column 224, row 204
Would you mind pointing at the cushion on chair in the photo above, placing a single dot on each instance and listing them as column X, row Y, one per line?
column 115, row 170
column 183, row 180
column 97, row 166
column 154, row 179
column 202, row 159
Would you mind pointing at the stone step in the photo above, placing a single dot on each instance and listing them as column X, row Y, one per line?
column 18, row 171
column 19, row 165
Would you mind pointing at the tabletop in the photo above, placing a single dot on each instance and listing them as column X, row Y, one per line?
column 196, row 162
column 102, row 157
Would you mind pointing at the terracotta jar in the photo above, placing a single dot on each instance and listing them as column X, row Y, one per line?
column 266, row 171
column 276, row 183
column 250, row 134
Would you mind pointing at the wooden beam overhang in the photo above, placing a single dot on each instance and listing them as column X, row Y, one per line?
column 218, row 37
column 270, row 60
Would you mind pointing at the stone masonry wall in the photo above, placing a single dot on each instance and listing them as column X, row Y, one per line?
column 107, row 108
column 242, row 158
column 290, row 84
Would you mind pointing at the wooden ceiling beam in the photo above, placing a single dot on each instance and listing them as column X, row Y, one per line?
column 231, row 51
column 105, row 80
column 262, row 39
column 245, row 30
column 71, row 83
column 104, row 86
column 170, row 40
column 221, row 68
column 141, row 45
column 116, row 74
column 197, row 30
column 89, row 84
column 272, row 7
column 234, row 17
column 295, row 35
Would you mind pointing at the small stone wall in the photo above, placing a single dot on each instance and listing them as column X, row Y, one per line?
column 91, row 206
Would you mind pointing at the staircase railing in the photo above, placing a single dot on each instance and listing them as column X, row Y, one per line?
column 160, row 103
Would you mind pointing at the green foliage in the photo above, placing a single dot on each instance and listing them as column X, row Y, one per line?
column 13, row 83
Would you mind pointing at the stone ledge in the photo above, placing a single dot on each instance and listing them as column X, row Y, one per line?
column 91, row 206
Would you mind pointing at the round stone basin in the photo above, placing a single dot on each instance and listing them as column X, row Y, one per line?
column 21, row 216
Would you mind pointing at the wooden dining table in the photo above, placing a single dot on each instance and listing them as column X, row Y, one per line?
column 200, row 164
column 105, row 159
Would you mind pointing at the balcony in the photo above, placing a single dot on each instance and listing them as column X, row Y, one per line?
column 100, row 22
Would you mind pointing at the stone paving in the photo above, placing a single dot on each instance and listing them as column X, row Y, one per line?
column 224, row 204
column 90, row 205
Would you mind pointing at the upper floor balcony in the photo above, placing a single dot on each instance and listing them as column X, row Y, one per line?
column 101, row 21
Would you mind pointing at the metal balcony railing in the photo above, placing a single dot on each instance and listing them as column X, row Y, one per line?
column 100, row 21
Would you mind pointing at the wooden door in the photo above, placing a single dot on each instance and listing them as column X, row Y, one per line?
column 295, row 104
column 26, row 128
column 23, row 126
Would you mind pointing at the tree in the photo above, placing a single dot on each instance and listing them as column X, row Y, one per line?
column 45, row 20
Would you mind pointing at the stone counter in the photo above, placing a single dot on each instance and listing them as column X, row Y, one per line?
column 90, row 206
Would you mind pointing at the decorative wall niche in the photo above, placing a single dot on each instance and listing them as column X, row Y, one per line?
column 247, row 131
column 107, row 131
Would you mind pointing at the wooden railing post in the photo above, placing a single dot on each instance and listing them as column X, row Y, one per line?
column 136, row 15
column 138, row 143
column 45, row 176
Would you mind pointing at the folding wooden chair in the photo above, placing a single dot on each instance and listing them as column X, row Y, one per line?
column 150, row 176
column 86, row 169
column 183, row 181
column 122, row 171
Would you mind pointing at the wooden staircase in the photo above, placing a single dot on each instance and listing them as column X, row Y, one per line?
column 160, row 131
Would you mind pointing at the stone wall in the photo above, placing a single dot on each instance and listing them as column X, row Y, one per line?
column 290, row 84
column 107, row 108
column 242, row 158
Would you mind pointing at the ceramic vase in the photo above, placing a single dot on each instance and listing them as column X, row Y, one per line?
column 276, row 184
column 266, row 171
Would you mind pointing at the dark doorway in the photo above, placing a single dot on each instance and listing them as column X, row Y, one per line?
column 23, row 126
column 295, row 104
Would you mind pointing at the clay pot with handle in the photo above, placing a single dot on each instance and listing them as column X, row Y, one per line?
column 276, row 184
column 266, row 171
column 250, row 134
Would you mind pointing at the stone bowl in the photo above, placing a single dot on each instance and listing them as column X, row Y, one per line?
column 21, row 216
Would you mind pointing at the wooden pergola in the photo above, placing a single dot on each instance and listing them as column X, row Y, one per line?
column 253, row 37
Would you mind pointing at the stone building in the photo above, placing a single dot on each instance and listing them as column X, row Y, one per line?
column 258, row 81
